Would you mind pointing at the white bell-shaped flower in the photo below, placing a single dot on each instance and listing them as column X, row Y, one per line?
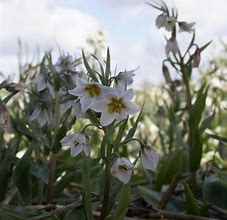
column 78, row 142
column 186, row 27
column 122, row 169
column 149, row 158
column 171, row 46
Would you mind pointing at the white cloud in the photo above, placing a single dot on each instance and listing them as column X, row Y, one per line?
column 41, row 23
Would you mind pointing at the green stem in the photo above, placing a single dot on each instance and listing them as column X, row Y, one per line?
column 107, row 184
column 53, row 159
column 51, row 177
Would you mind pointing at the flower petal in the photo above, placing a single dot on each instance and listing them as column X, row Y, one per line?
column 149, row 158
column 99, row 106
column 128, row 94
column 67, row 140
column 86, row 103
column 131, row 109
column 106, row 118
column 87, row 150
column 75, row 150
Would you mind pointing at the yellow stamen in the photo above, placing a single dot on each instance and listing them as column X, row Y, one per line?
column 116, row 105
column 93, row 90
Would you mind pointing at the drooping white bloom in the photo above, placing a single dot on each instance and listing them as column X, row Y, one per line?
column 64, row 63
column 171, row 46
column 42, row 115
column 122, row 169
column 75, row 106
column 170, row 23
column 161, row 21
column 42, row 84
column 186, row 27
column 40, row 81
column 115, row 105
column 149, row 158
column 89, row 93
column 78, row 142
column 72, row 78
column 124, row 79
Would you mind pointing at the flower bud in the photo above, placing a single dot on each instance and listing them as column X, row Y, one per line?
column 196, row 57
column 166, row 74
column 149, row 158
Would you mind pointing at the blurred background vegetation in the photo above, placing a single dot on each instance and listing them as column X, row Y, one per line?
column 26, row 149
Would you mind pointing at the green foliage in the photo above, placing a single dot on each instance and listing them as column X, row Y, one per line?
column 185, row 120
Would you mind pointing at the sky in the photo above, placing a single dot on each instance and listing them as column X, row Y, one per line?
column 128, row 26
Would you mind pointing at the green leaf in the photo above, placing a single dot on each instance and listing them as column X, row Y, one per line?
column 105, row 140
column 92, row 117
column 206, row 122
column 88, row 68
column 132, row 130
column 20, row 126
column 151, row 197
column 40, row 170
column 77, row 214
column 9, row 212
column 120, row 134
column 114, row 194
column 198, row 106
column 195, row 151
column 123, row 202
column 60, row 134
column 5, row 176
column 217, row 137
column 21, row 176
column 107, row 70
column 205, row 46
column 87, row 189
column 191, row 206
column 195, row 142
column 174, row 163
column 214, row 191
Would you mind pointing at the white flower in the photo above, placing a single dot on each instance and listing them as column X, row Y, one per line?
column 116, row 105
column 171, row 46
column 124, row 79
column 149, row 158
column 186, row 27
column 40, row 81
column 78, row 142
column 64, row 63
column 42, row 84
column 89, row 93
column 170, row 23
column 75, row 106
column 122, row 169
column 72, row 77
column 42, row 115
column 161, row 21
